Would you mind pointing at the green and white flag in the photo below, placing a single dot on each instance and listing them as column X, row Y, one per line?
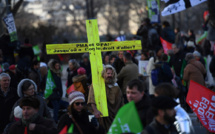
column 50, row 85
column 174, row 6
column 127, row 120
column 11, row 27
column 36, row 50
column 154, row 10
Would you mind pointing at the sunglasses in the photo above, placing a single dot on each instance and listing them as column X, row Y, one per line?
column 80, row 103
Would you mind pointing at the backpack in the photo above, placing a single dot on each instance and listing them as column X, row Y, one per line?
column 156, row 74
column 161, row 73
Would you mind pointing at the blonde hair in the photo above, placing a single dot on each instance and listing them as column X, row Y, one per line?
column 106, row 67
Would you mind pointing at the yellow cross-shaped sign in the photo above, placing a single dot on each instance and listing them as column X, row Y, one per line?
column 94, row 47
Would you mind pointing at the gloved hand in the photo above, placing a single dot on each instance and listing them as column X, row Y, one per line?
column 94, row 122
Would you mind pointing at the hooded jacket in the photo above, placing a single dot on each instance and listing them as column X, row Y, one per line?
column 83, row 80
column 56, row 74
column 43, row 110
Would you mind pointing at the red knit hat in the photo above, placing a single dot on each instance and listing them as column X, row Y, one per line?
column 12, row 67
column 81, row 71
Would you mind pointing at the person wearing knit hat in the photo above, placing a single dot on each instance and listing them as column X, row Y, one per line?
column 12, row 67
column 17, row 113
column 79, row 116
column 31, row 120
column 81, row 71
column 76, row 95
column 80, row 82
column 11, row 70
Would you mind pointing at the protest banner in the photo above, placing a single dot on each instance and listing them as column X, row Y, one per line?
column 95, row 47
column 154, row 10
column 202, row 102
column 50, row 85
column 142, row 64
column 10, row 24
column 166, row 45
column 127, row 120
column 84, row 47
column 174, row 6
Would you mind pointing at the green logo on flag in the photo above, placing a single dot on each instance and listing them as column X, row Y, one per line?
column 50, row 85
column 126, row 120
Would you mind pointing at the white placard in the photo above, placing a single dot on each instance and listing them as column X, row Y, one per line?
column 142, row 64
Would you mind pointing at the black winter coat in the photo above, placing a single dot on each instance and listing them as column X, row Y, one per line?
column 176, row 61
column 142, row 107
column 71, row 74
column 83, row 122
column 6, row 104
column 43, row 126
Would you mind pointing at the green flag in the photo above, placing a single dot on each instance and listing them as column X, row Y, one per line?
column 50, row 85
column 70, row 129
column 126, row 120
column 36, row 50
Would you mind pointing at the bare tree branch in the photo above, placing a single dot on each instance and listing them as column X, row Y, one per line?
column 16, row 7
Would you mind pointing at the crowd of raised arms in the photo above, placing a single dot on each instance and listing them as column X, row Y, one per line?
column 33, row 99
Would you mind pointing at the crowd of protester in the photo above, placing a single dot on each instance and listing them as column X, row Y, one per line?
column 23, row 107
